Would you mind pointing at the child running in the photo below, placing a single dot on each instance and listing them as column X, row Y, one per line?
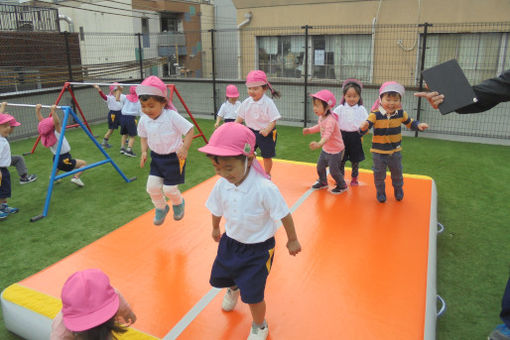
column 115, row 100
column 91, row 309
column 130, row 111
column 161, row 129
column 228, row 110
column 252, row 206
column 7, row 124
column 331, row 142
column 351, row 113
column 386, row 117
column 260, row 114
column 50, row 129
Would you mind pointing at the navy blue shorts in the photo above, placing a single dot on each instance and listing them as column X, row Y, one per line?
column 244, row 265
column 65, row 162
column 168, row 168
column 228, row 120
column 128, row 125
column 114, row 119
column 5, row 183
column 267, row 145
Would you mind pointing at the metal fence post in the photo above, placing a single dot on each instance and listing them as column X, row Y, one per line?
column 140, row 55
column 306, row 27
column 422, row 65
column 213, row 72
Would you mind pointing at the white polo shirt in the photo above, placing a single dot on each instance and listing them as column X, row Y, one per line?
column 253, row 210
column 350, row 117
column 164, row 134
column 131, row 109
column 5, row 153
column 65, row 145
column 258, row 114
column 229, row 110
column 113, row 104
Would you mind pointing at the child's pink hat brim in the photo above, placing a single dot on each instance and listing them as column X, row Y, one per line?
column 7, row 118
column 152, row 86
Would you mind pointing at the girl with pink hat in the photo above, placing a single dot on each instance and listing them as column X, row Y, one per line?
column 91, row 308
column 253, row 208
column 351, row 113
column 131, row 110
column 260, row 114
column 7, row 124
column 387, row 117
column 115, row 101
column 331, row 142
column 161, row 129
column 228, row 110
column 50, row 129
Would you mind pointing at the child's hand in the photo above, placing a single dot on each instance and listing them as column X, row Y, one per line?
column 314, row 145
column 2, row 107
column 216, row 125
column 306, row 131
column 182, row 153
column 38, row 106
column 264, row 132
column 364, row 125
column 97, row 87
column 423, row 126
column 216, row 234
column 143, row 159
column 294, row 247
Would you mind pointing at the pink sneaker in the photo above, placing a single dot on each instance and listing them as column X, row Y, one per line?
column 354, row 181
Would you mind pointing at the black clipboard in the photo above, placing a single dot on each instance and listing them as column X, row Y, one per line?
column 448, row 79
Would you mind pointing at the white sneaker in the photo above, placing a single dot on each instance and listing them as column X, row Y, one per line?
column 77, row 181
column 258, row 333
column 230, row 299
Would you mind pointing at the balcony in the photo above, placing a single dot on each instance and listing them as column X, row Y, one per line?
column 28, row 18
column 171, row 43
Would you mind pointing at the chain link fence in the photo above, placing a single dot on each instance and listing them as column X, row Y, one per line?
column 297, row 60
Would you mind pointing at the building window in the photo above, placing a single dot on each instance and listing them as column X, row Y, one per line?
column 171, row 22
column 145, row 33
column 480, row 55
column 330, row 56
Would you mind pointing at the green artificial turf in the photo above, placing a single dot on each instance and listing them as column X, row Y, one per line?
column 473, row 191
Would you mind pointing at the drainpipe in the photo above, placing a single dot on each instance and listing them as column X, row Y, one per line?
column 70, row 23
column 248, row 17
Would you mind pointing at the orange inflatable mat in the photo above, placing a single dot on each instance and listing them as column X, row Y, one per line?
column 366, row 271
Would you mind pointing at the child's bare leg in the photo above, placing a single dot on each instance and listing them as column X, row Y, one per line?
column 258, row 312
column 131, row 141
column 268, row 165
column 123, row 141
column 108, row 133
column 79, row 164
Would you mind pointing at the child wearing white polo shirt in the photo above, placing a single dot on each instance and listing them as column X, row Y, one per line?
column 161, row 130
column 253, row 209
column 260, row 114
column 131, row 109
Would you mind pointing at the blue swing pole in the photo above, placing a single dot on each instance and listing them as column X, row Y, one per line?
column 67, row 110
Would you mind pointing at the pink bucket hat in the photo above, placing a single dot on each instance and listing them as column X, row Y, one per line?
column 152, row 86
column 46, row 129
column 233, row 139
column 7, row 118
column 355, row 82
column 132, row 97
column 114, row 87
column 88, row 300
column 256, row 78
column 389, row 86
column 232, row 91
column 326, row 96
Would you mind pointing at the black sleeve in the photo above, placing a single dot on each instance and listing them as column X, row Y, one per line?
column 490, row 93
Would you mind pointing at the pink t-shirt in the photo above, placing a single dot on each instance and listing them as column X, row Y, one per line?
column 328, row 127
column 60, row 332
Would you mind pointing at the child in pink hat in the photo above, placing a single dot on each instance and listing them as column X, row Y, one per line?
column 7, row 124
column 351, row 113
column 50, row 129
column 331, row 142
column 251, row 205
column 115, row 101
column 162, row 129
column 228, row 110
column 260, row 114
column 131, row 110
column 91, row 308
column 386, row 118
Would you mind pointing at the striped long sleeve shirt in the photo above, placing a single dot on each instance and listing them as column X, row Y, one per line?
column 387, row 135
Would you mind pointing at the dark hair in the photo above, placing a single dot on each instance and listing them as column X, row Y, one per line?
column 391, row 94
column 145, row 97
column 324, row 105
column 217, row 158
column 102, row 332
column 356, row 88
column 274, row 93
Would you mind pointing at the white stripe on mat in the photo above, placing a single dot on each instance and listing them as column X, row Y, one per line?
column 207, row 298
